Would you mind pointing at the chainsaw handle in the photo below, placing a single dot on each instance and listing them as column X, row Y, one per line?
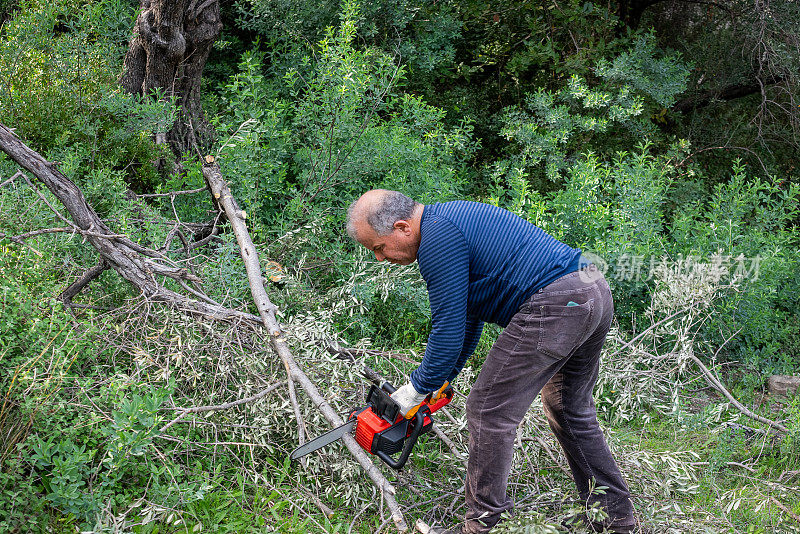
column 411, row 440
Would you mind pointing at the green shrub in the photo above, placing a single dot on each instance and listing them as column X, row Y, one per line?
column 609, row 115
column 58, row 69
column 624, row 211
column 420, row 33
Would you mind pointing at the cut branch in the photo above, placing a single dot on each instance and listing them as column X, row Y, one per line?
column 27, row 235
column 16, row 175
column 785, row 508
column 119, row 252
column 171, row 193
column 716, row 384
column 236, row 217
column 450, row 444
column 127, row 259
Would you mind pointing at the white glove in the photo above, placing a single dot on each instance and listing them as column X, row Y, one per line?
column 407, row 397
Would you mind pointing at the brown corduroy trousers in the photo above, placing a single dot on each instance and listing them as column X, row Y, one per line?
column 552, row 345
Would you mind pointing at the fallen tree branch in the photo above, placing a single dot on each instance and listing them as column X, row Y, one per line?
column 116, row 249
column 77, row 286
column 198, row 409
column 301, row 424
column 716, row 384
column 450, row 444
column 266, row 310
column 16, row 175
column 643, row 332
column 119, row 252
column 125, row 257
column 324, row 508
column 785, row 508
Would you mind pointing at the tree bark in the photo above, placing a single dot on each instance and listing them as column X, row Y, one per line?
column 168, row 51
column 76, row 287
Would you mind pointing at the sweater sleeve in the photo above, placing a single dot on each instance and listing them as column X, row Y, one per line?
column 446, row 273
column 471, row 338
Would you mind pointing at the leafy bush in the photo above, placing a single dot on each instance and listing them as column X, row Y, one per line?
column 624, row 210
column 420, row 33
column 607, row 115
column 58, row 69
column 296, row 163
column 747, row 225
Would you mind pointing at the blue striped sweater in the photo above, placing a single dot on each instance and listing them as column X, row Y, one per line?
column 480, row 264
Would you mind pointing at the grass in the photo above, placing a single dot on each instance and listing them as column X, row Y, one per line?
column 743, row 480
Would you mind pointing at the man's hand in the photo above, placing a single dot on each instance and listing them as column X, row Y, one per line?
column 408, row 398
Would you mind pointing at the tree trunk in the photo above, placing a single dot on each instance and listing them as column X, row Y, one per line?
column 168, row 51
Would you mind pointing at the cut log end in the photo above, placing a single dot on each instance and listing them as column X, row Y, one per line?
column 783, row 385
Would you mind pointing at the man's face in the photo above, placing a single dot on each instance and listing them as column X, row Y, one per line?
column 398, row 247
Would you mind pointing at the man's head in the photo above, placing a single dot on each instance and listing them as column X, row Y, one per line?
column 387, row 223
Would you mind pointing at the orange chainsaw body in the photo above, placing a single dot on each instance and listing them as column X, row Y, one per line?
column 383, row 431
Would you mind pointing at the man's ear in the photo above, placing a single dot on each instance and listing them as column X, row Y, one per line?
column 403, row 226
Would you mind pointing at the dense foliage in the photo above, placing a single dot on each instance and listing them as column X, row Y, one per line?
column 630, row 133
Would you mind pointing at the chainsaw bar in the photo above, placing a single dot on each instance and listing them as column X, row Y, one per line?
column 324, row 439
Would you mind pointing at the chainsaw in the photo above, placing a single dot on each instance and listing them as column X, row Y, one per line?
column 379, row 427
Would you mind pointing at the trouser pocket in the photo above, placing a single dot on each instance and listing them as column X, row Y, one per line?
column 563, row 327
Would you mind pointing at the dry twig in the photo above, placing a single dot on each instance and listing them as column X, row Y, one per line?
column 716, row 384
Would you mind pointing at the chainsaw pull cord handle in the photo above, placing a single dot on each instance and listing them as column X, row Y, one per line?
column 411, row 440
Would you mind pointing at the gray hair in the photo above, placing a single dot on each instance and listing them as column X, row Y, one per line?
column 381, row 214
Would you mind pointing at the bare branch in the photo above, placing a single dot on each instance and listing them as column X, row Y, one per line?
column 171, row 193
column 450, row 444
column 716, row 384
column 785, row 508
column 16, row 175
column 22, row 237
column 77, row 286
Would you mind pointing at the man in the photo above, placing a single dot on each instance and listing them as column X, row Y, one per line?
column 484, row 264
